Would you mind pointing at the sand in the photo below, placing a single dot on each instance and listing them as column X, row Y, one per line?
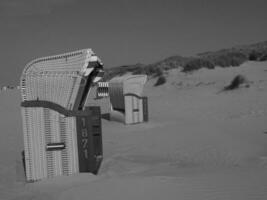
column 200, row 143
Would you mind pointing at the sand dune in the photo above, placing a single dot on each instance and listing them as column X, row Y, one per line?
column 200, row 143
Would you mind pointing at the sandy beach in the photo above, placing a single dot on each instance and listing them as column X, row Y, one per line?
column 200, row 143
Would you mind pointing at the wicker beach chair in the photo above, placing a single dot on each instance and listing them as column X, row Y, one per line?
column 126, row 97
column 61, row 135
column 99, row 97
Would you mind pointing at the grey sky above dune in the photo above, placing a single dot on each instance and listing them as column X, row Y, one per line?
column 124, row 31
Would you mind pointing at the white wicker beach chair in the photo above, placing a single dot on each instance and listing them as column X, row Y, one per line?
column 55, row 119
column 126, row 97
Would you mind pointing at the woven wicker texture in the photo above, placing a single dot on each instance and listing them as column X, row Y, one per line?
column 55, row 79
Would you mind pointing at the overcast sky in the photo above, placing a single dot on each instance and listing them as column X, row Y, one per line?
column 124, row 31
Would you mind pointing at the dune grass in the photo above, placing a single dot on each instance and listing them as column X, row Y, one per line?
column 237, row 82
column 231, row 57
column 161, row 80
